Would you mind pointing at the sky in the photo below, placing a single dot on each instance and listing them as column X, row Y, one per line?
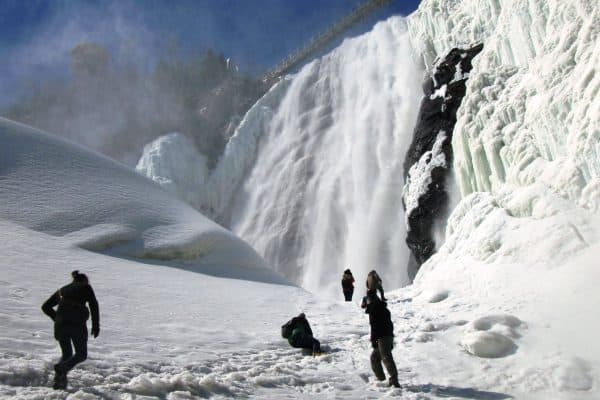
column 36, row 36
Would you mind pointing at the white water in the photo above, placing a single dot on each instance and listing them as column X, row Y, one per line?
column 325, row 191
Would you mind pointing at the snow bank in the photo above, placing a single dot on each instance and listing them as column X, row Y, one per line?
column 52, row 186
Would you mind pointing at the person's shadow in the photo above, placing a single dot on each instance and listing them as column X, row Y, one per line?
column 452, row 391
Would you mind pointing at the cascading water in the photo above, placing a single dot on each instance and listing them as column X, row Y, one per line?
column 325, row 190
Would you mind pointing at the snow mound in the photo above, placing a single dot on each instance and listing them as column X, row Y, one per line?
column 52, row 186
column 435, row 296
column 573, row 374
column 488, row 344
column 491, row 336
column 173, row 162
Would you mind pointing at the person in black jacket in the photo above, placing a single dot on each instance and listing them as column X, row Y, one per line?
column 348, row 285
column 382, row 337
column 302, row 336
column 70, row 328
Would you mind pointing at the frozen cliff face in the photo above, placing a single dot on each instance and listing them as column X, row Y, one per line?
column 525, row 237
column 531, row 107
column 429, row 157
column 527, row 130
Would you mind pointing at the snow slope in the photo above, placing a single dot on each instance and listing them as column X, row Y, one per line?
column 54, row 187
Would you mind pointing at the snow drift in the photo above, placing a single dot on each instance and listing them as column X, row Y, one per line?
column 52, row 186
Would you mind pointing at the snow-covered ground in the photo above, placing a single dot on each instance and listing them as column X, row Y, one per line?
column 507, row 306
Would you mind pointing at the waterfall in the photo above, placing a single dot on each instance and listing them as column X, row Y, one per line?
column 325, row 190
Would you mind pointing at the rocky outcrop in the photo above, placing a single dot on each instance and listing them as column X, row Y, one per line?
column 429, row 156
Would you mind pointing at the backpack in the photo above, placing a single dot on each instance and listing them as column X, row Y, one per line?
column 286, row 329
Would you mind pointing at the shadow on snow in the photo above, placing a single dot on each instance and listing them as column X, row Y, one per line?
column 452, row 391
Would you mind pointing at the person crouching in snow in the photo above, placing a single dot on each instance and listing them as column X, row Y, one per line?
column 382, row 337
column 348, row 285
column 70, row 328
column 298, row 333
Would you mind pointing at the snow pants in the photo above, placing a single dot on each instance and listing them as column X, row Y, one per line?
column 348, row 295
column 306, row 342
column 70, row 337
column 382, row 352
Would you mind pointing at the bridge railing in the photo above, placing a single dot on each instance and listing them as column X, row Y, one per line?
column 319, row 41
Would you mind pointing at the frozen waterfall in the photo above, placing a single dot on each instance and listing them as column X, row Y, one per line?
column 325, row 190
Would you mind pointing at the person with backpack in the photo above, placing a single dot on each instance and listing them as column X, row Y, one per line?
column 382, row 338
column 374, row 283
column 298, row 333
column 348, row 285
column 70, row 327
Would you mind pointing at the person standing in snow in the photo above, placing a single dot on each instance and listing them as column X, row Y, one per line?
column 382, row 338
column 70, row 328
column 374, row 283
column 348, row 285
column 300, row 335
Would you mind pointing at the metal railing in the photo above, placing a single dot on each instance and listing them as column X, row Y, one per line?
column 320, row 41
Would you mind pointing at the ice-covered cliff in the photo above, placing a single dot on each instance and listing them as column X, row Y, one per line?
column 527, row 132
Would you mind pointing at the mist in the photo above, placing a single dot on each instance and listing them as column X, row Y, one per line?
column 113, row 77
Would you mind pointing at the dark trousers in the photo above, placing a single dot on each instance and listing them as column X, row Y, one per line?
column 69, row 338
column 382, row 352
column 348, row 295
column 306, row 342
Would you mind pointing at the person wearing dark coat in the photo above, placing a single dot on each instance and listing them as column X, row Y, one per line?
column 348, row 285
column 302, row 335
column 70, row 328
column 374, row 283
column 382, row 337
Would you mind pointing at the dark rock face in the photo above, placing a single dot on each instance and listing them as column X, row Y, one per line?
column 429, row 157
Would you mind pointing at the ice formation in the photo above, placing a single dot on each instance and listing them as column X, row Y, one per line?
column 173, row 162
column 531, row 108
column 526, row 132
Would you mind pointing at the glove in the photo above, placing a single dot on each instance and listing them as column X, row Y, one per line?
column 95, row 331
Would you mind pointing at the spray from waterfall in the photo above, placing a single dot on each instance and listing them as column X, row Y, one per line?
column 325, row 190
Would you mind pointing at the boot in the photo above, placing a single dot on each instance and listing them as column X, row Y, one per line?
column 394, row 382
column 60, row 378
